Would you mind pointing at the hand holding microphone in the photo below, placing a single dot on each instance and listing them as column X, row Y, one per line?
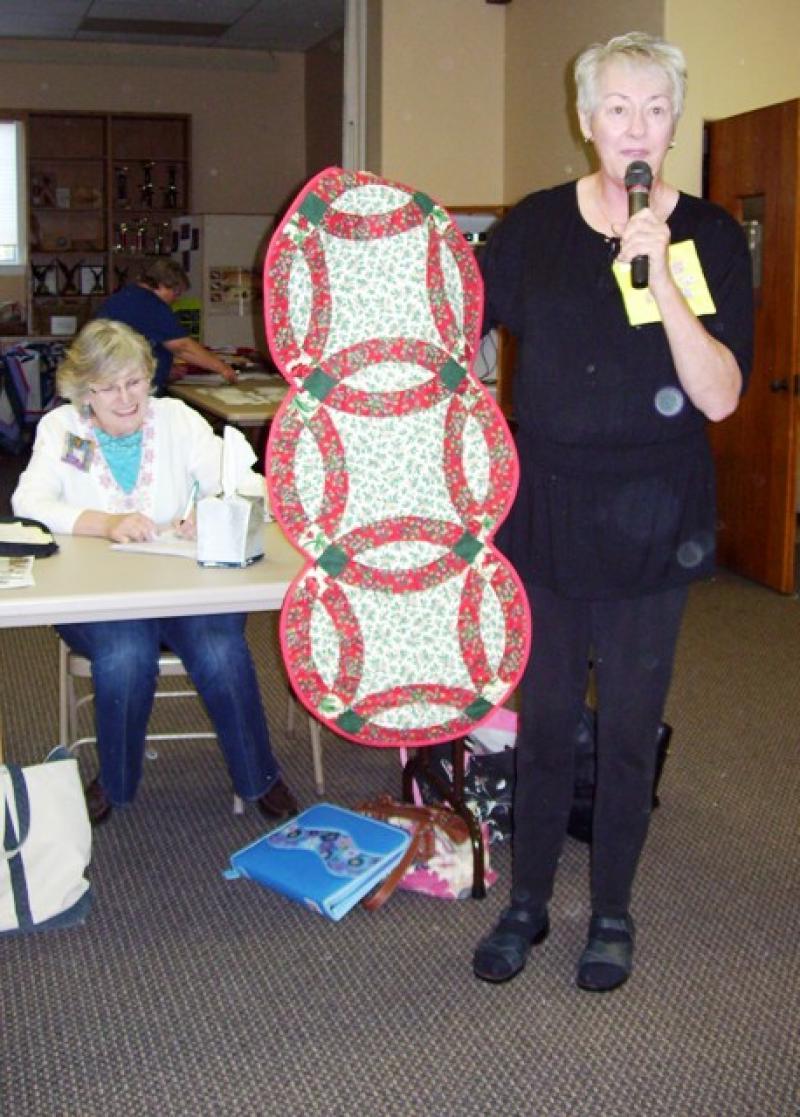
column 638, row 180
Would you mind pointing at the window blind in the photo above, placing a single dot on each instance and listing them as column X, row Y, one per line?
column 10, row 230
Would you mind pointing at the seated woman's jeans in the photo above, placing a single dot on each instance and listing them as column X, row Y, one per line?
column 124, row 657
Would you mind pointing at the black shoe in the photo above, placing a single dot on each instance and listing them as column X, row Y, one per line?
column 502, row 954
column 98, row 804
column 278, row 803
column 607, row 961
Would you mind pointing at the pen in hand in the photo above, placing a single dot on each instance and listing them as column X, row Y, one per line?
column 190, row 503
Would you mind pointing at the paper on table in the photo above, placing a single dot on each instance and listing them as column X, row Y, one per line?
column 167, row 542
column 215, row 380
column 16, row 571
column 248, row 397
column 209, row 379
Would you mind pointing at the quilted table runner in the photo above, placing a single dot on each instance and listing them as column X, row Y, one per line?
column 389, row 467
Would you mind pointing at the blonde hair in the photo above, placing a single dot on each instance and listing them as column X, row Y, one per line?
column 103, row 350
column 636, row 47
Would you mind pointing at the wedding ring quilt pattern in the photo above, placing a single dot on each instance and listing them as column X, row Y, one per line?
column 390, row 467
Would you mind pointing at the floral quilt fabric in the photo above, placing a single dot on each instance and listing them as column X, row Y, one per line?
column 390, row 467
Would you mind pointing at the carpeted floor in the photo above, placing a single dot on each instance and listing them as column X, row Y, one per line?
column 184, row 993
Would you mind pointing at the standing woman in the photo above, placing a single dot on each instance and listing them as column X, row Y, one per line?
column 118, row 464
column 615, row 514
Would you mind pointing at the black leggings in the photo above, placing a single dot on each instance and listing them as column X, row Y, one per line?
column 632, row 644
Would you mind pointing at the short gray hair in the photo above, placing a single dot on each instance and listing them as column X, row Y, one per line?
column 103, row 350
column 636, row 47
column 164, row 272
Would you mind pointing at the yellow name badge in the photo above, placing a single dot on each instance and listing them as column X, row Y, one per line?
column 687, row 272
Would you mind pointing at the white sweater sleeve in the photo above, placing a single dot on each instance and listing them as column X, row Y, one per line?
column 40, row 491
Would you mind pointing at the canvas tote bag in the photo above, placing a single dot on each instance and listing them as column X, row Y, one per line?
column 46, row 847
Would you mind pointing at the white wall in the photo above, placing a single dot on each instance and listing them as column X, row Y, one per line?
column 741, row 56
column 247, row 107
column 441, row 98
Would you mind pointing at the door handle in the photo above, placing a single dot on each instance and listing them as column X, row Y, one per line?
column 779, row 385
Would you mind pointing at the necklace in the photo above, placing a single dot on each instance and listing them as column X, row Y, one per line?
column 606, row 220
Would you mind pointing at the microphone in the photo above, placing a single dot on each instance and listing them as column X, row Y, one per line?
column 638, row 180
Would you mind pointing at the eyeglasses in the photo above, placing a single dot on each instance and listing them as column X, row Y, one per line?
column 125, row 387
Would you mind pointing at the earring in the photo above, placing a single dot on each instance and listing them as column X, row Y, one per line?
column 587, row 139
column 671, row 144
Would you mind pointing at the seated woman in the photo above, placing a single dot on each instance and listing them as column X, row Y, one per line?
column 118, row 464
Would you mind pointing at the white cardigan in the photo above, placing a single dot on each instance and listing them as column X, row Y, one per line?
column 178, row 448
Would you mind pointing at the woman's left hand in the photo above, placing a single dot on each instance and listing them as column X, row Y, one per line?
column 646, row 235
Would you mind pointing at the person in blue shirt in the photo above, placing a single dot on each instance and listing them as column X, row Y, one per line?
column 146, row 305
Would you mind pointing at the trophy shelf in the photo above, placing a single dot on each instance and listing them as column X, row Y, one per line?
column 103, row 190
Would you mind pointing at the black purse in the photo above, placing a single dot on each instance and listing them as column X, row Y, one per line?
column 581, row 815
column 13, row 549
column 489, row 780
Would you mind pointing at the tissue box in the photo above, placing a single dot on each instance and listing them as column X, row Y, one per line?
column 230, row 530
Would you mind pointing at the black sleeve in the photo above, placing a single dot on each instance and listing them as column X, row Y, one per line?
column 725, row 257
column 503, row 263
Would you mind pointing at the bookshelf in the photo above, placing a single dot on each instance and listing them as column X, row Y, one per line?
column 103, row 189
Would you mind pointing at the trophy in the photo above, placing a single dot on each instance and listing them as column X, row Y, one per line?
column 123, row 244
column 161, row 238
column 121, row 174
column 147, row 186
column 171, row 192
column 141, row 236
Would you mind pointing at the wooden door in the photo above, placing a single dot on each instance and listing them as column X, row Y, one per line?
column 753, row 171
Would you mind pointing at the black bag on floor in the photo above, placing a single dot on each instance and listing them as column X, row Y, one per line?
column 488, row 785
column 580, row 819
column 489, row 780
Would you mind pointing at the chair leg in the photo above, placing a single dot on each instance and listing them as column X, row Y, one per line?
column 316, row 755
column 316, row 740
column 73, row 729
column 68, row 704
column 63, row 682
column 290, row 705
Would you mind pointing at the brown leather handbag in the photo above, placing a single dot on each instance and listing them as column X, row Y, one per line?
column 439, row 860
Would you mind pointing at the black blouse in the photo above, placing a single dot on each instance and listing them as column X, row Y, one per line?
column 616, row 492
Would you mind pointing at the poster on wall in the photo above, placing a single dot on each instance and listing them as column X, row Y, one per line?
column 233, row 290
column 189, row 312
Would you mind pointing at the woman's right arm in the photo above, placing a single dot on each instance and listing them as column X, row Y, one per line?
column 41, row 493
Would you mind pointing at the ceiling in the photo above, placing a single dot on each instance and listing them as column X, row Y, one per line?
column 267, row 25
